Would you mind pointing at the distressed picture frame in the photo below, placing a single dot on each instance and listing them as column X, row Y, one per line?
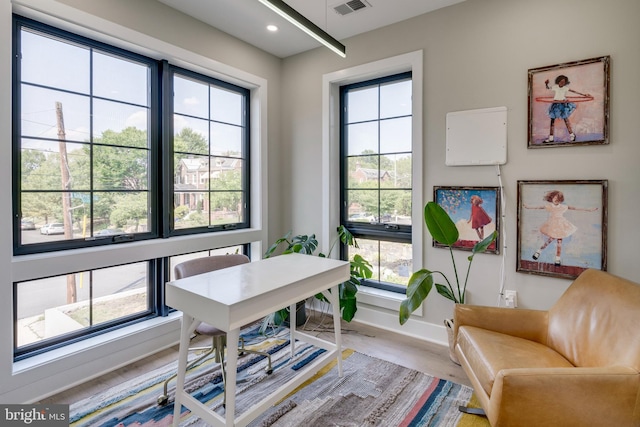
column 569, row 104
column 474, row 210
column 562, row 227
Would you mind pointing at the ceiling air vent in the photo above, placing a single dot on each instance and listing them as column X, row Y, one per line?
column 350, row 6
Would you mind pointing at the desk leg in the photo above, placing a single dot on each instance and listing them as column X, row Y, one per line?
column 292, row 328
column 233, row 336
column 188, row 325
column 335, row 303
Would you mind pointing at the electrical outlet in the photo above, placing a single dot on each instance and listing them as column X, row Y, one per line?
column 510, row 298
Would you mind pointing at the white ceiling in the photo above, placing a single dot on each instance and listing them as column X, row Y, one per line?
column 247, row 19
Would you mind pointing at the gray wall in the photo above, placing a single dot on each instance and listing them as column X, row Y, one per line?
column 476, row 55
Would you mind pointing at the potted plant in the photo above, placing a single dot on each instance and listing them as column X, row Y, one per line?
column 308, row 244
column 444, row 231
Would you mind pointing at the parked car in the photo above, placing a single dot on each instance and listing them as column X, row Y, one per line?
column 362, row 217
column 108, row 232
column 27, row 225
column 52, row 228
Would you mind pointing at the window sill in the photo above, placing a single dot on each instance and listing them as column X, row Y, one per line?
column 89, row 345
column 379, row 298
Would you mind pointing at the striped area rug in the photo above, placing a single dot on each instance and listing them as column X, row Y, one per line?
column 372, row 392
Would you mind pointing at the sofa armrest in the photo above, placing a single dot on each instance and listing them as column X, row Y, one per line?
column 523, row 323
column 566, row 397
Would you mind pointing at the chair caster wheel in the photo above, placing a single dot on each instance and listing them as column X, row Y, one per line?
column 269, row 371
column 162, row 400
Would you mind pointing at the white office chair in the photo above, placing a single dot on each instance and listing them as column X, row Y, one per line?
column 219, row 338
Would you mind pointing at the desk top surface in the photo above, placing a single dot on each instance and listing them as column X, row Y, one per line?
column 233, row 285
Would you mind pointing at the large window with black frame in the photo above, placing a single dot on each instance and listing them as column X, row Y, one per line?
column 97, row 162
column 84, row 125
column 210, row 153
column 83, row 167
column 376, row 153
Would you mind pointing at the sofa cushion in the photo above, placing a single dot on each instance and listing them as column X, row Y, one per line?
column 490, row 352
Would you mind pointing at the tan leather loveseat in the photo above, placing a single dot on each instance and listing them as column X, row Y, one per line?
column 577, row 364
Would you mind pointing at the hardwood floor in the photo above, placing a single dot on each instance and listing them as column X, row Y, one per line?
column 422, row 356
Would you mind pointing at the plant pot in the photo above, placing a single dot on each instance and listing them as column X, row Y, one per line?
column 448, row 323
column 301, row 315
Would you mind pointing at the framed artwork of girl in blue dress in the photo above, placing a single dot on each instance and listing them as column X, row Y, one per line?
column 569, row 104
column 562, row 227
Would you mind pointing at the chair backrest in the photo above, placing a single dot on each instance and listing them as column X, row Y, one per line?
column 207, row 264
column 595, row 322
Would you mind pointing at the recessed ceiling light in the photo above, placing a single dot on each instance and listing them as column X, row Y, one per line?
column 272, row 28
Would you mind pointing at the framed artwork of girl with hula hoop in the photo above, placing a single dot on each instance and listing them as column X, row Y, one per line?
column 569, row 104
column 562, row 227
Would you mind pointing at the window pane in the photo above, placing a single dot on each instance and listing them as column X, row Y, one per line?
column 45, row 209
column 226, row 140
column 226, row 106
column 191, row 135
column 226, row 207
column 392, row 262
column 43, row 307
column 398, row 170
column 120, row 168
column 395, row 206
column 395, row 135
column 117, row 118
column 119, row 292
column 39, row 117
column 210, row 185
column 362, row 104
column 39, row 52
column 362, row 138
column 118, row 79
column 363, row 171
column 362, row 204
column 395, row 99
column 369, row 250
column 191, row 209
column 41, row 165
column 226, row 173
column 190, row 97
column 52, row 307
column 192, row 172
column 127, row 212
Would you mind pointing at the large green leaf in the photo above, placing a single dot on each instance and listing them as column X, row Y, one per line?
column 277, row 243
column 348, row 291
column 418, row 288
column 361, row 268
column 483, row 245
column 346, row 237
column 348, row 307
column 446, row 292
column 440, row 225
column 304, row 244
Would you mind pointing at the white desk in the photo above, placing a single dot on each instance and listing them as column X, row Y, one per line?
column 234, row 297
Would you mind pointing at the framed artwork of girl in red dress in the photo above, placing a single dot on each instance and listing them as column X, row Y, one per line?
column 562, row 227
column 474, row 210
